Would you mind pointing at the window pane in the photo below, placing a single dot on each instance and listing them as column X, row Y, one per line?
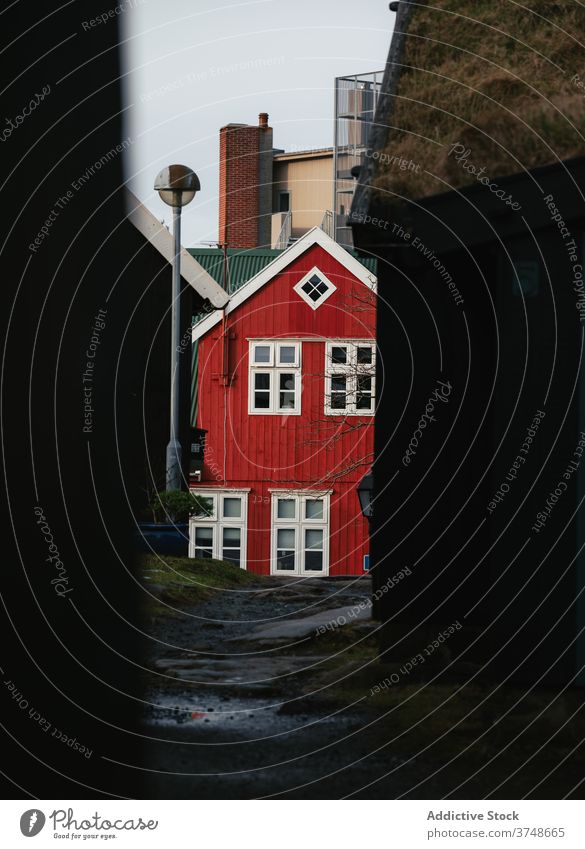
column 262, row 401
column 203, row 536
column 314, row 561
column 339, row 355
column 285, row 538
column 286, row 400
column 313, row 551
column 232, row 555
column 231, row 544
column 207, row 506
column 313, row 539
column 363, row 402
column 314, row 508
column 204, row 542
column 364, row 398
column 262, row 381
column 338, row 392
column 285, row 560
column 232, row 537
column 285, row 549
column 315, row 288
column 364, row 355
column 287, row 354
column 262, row 391
column 262, row 353
column 286, row 508
column 232, row 508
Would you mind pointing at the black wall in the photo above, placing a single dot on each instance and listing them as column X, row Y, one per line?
column 72, row 651
column 510, row 349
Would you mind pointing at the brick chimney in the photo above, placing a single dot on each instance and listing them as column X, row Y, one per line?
column 245, row 184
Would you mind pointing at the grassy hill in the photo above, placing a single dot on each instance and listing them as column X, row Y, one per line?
column 503, row 78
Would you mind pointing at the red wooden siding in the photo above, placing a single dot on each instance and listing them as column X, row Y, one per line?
column 265, row 452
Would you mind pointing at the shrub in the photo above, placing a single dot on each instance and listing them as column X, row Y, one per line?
column 175, row 506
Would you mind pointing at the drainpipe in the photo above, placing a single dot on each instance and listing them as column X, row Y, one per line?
column 580, row 537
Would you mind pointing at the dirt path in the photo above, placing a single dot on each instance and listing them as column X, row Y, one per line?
column 247, row 700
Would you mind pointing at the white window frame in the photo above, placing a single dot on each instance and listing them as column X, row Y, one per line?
column 299, row 288
column 351, row 370
column 218, row 522
column 299, row 524
column 274, row 369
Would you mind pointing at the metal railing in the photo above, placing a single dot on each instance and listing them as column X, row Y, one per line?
column 327, row 224
column 282, row 240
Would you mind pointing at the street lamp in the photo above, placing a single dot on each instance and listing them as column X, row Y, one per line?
column 365, row 491
column 177, row 186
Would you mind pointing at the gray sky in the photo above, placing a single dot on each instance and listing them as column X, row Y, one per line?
column 194, row 65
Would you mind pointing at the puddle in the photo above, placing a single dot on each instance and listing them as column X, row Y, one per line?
column 195, row 714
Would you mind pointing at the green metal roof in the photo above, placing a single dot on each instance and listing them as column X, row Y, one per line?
column 242, row 265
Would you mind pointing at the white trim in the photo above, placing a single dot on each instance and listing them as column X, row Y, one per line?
column 331, row 288
column 205, row 488
column 315, row 236
column 312, row 493
column 315, row 339
column 160, row 238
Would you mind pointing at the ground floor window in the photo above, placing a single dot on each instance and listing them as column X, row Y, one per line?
column 219, row 532
column 300, row 533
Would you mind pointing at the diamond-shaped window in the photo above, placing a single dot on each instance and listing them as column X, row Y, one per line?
column 314, row 288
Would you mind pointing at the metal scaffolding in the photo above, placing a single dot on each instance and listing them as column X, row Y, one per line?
column 356, row 97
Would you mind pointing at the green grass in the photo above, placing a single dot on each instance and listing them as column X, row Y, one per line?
column 495, row 77
column 471, row 723
column 177, row 582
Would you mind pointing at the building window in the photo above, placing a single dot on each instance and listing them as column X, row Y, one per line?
column 350, row 378
column 314, row 288
column 203, row 542
column 275, row 378
column 220, row 532
column 232, row 545
column 300, row 533
column 283, row 202
column 286, row 549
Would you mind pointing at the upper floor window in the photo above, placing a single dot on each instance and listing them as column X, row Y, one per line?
column 314, row 288
column 275, row 378
column 350, row 378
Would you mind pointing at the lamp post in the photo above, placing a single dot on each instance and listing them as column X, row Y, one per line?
column 177, row 186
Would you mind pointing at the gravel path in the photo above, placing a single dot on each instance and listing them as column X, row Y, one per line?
column 234, row 710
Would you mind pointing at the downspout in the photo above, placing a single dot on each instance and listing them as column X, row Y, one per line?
column 225, row 362
column 580, row 532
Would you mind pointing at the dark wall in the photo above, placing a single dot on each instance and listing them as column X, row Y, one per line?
column 458, row 513
column 72, row 640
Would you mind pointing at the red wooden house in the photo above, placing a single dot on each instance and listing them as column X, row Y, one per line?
column 286, row 395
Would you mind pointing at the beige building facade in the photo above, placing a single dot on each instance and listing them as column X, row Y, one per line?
column 302, row 193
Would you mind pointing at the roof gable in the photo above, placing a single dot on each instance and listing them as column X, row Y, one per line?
column 316, row 236
column 160, row 238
